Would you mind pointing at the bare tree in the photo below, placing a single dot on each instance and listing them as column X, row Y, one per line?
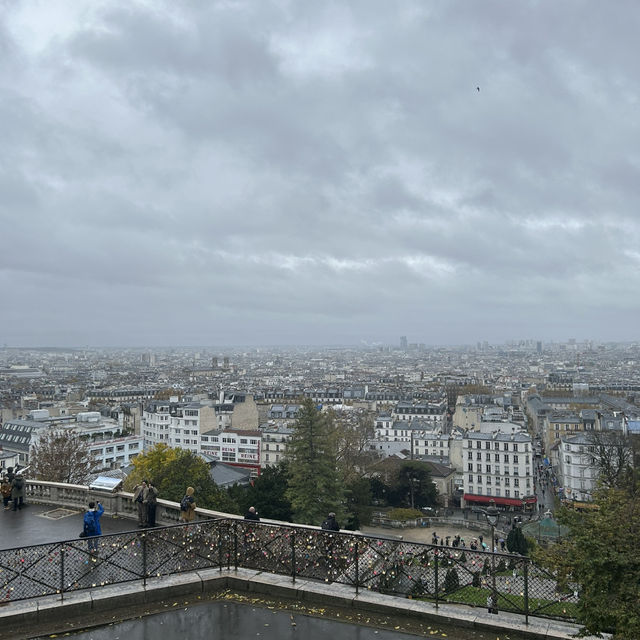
column 612, row 456
column 61, row 456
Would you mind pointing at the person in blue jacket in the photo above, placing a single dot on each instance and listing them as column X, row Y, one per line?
column 92, row 528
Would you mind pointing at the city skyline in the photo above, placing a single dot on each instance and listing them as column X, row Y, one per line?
column 283, row 173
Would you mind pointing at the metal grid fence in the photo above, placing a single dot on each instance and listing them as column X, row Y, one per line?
column 408, row 569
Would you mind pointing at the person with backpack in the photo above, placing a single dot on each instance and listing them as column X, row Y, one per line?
column 92, row 529
column 188, row 506
column 17, row 491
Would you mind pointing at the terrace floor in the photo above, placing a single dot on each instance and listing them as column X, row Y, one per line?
column 39, row 524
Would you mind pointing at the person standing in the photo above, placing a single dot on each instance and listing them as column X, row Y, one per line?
column 17, row 491
column 188, row 506
column 92, row 528
column 331, row 524
column 151, row 502
column 139, row 494
column 252, row 514
column 5, row 489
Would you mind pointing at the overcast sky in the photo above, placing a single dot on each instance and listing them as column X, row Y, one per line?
column 303, row 172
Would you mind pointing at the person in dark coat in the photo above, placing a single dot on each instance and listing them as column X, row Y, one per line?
column 18, row 491
column 92, row 528
column 140, row 492
column 252, row 514
column 151, row 501
column 331, row 524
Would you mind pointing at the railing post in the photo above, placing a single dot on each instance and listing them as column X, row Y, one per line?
column 235, row 544
column 437, row 586
column 526, row 592
column 219, row 547
column 357, row 563
column 293, row 555
column 62, row 573
column 144, row 559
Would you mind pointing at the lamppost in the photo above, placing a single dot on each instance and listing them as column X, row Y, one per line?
column 492, row 514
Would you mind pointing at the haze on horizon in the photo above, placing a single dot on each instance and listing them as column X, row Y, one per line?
column 280, row 172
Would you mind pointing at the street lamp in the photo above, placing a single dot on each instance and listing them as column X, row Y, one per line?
column 492, row 514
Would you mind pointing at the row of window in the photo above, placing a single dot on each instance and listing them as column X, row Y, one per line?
column 496, row 457
column 497, row 481
column 505, row 445
column 497, row 492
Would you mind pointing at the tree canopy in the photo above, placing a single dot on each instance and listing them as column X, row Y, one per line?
column 267, row 494
column 61, row 456
column 173, row 470
column 315, row 486
column 601, row 556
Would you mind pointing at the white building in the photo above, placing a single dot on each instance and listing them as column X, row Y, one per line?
column 498, row 466
column 116, row 453
column 274, row 444
column 177, row 424
column 577, row 471
column 240, row 447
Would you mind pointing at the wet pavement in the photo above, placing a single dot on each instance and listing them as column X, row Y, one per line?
column 239, row 621
column 31, row 525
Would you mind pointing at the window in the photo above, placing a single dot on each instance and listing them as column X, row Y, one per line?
column 515, row 459
column 470, row 466
column 470, row 455
column 479, row 456
column 516, row 482
column 487, row 457
column 488, row 469
column 496, row 457
column 507, row 493
column 470, row 478
column 479, row 479
column 506, row 457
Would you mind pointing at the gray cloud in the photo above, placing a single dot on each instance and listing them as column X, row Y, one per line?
column 285, row 172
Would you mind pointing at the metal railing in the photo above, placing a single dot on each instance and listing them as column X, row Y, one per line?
column 395, row 567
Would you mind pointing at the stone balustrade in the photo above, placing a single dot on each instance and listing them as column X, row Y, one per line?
column 76, row 496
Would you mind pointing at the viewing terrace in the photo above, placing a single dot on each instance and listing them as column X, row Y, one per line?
column 48, row 577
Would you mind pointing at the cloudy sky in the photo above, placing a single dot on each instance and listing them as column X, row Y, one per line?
column 297, row 172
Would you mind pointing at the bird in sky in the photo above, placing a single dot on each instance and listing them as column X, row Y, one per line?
column 478, row 88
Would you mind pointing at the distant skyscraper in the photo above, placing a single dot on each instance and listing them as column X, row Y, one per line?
column 403, row 342
column 539, row 346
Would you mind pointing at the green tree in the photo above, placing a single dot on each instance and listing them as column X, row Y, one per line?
column 601, row 556
column 358, row 496
column 61, row 456
column 516, row 541
column 413, row 486
column 315, row 486
column 451, row 581
column 267, row 494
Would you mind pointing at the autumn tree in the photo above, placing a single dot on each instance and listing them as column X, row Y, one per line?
column 315, row 485
column 61, row 456
column 173, row 470
column 601, row 557
column 612, row 456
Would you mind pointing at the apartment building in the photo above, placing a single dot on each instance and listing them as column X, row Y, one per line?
column 274, row 444
column 576, row 470
column 116, row 453
column 177, row 424
column 239, row 447
column 498, row 466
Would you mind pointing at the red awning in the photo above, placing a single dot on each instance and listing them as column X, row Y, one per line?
column 505, row 502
